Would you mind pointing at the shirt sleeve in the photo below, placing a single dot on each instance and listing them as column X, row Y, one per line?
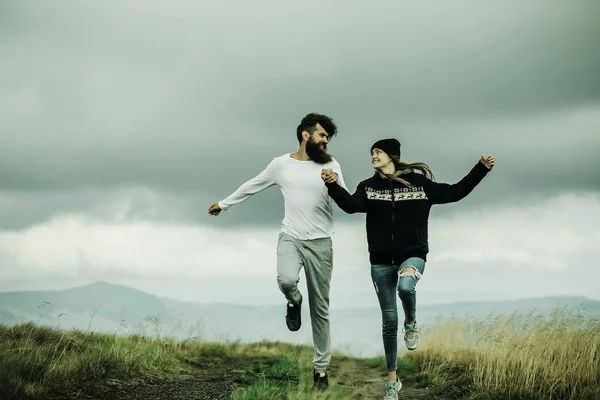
column 442, row 193
column 260, row 182
column 337, row 168
column 349, row 203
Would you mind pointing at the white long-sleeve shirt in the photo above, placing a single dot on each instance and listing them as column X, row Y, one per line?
column 308, row 207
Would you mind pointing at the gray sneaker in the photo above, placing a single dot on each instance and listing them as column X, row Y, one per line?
column 392, row 389
column 412, row 334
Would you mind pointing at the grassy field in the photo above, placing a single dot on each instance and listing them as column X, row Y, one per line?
column 36, row 361
column 521, row 356
column 35, row 358
column 513, row 357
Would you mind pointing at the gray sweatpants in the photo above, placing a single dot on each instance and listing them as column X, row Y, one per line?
column 316, row 257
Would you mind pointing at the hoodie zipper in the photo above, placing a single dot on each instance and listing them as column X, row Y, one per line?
column 393, row 217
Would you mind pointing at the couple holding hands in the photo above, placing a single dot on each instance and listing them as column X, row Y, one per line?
column 396, row 199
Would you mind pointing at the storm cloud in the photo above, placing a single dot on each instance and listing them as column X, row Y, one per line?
column 146, row 112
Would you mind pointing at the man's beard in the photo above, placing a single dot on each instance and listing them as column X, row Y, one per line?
column 314, row 152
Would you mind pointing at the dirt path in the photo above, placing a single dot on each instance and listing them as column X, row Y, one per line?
column 210, row 380
column 369, row 383
column 216, row 379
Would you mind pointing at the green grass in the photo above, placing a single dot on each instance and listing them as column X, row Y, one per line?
column 409, row 373
column 499, row 358
column 35, row 359
column 304, row 390
column 404, row 366
column 271, row 379
column 375, row 362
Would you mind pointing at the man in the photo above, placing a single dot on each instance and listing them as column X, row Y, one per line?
column 305, row 237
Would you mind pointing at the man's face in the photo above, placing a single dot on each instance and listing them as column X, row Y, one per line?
column 316, row 146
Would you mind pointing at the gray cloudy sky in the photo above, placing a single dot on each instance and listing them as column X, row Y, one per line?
column 121, row 121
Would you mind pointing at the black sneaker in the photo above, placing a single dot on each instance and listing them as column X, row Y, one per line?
column 321, row 381
column 292, row 318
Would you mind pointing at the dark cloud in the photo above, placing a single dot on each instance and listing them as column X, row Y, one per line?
column 20, row 210
column 190, row 100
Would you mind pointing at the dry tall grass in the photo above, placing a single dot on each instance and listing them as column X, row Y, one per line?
column 516, row 356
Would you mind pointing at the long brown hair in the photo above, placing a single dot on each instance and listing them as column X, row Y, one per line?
column 419, row 166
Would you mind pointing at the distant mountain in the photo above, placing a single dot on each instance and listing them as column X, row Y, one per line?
column 113, row 299
column 105, row 307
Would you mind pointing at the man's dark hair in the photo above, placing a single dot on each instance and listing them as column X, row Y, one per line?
column 309, row 124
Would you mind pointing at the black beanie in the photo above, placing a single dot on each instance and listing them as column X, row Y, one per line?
column 390, row 146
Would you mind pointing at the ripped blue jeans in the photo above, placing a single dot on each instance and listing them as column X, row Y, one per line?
column 387, row 279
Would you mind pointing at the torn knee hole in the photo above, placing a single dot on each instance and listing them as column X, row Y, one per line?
column 407, row 271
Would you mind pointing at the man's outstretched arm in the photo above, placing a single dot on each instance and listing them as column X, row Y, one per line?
column 260, row 182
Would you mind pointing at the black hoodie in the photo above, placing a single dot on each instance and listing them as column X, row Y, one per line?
column 397, row 225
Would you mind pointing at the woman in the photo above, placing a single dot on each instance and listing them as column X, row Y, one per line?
column 397, row 200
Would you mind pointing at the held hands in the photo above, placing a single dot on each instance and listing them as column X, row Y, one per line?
column 214, row 209
column 329, row 176
column 488, row 161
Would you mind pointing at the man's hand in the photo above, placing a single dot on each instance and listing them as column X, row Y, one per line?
column 488, row 161
column 214, row 209
column 329, row 176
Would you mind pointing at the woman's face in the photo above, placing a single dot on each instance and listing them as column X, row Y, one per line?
column 380, row 159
